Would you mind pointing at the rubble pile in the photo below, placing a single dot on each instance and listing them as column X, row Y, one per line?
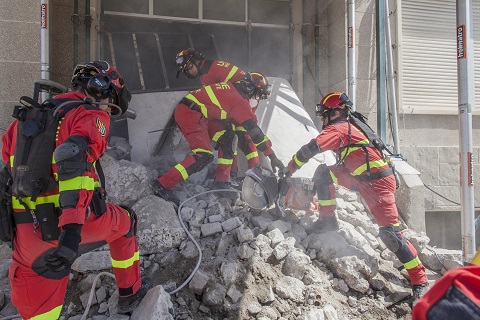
column 255, row 264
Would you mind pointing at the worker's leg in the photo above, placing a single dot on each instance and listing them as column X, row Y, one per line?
column 194, row 127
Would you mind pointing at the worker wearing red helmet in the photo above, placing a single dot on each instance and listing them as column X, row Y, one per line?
column 361, row 167
column 221, row 101
column 40, row 267
column 193, row 64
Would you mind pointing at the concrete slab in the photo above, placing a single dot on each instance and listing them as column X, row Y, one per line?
column 154, row 110
column 288, row 125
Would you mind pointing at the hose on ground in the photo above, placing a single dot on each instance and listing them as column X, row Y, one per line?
column 92, row 290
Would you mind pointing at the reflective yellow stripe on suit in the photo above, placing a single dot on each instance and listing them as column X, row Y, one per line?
column 124, row 264
column 231, row 74
column 52, row 314
column 77, row 183
column 412, row 263
column 217, row 135
column 203, row 109
column 298, row 162
column 251, row 155
column 40, row 200
column 213, row 98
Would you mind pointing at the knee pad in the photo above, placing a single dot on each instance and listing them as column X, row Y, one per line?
column 397, row 243
column 133, row 222
column 202, row 159
column 392, row 238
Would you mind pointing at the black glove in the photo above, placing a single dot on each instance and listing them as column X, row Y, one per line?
column 276, row 163
column 285, row 172
column 67, row 250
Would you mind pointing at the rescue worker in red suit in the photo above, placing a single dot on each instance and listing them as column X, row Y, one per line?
column 221, row 101
column 193, row 64
column 40, row 269
column 376, row 185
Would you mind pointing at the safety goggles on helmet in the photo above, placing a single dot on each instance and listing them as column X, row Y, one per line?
column 256, row 86
column 185, row 60
column 334, row 100
column 101, row 81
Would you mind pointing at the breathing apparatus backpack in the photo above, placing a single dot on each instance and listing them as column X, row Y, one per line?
column 36, row 133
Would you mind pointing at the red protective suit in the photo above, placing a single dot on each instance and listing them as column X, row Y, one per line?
column 378, row 193
column 216, row 71
column 221, row 101
column 37, row 291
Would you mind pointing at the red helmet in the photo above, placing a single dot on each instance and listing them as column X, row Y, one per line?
column 256, row 85
column 333, row 100
column 184, row 60
column 101, row 80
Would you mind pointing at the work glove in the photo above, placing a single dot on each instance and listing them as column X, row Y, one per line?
column 285, row 172
column 67, row 250
column 276, row 163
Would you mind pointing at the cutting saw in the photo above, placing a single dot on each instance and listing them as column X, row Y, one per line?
column 261, row 189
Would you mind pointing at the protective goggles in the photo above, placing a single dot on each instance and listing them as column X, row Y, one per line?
column 92, row 68
column 263, row 92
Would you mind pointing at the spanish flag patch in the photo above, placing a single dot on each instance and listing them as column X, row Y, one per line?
column 102, row 128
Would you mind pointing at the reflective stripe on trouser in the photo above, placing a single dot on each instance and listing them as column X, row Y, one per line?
column 223, row 138
column 325, row 189
column 248, row 148
column 26, row 283
column 195, row 129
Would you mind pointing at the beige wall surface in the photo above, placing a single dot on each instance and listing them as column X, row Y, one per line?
column 19, row 53
column 429, row 142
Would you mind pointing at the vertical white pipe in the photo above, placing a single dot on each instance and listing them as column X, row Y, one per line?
column 44, row 43
column 391, row 82
column 351, row 53
column 466, row 101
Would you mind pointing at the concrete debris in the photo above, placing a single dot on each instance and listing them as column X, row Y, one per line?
column 256, row 264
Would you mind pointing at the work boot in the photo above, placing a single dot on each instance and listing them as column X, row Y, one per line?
column 160, row 191
column 323, row 224
column 235, row 182
column 127, row 304
column 418, row 290
column 233, row 195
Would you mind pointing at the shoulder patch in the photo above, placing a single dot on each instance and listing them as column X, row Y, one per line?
column 102, row 128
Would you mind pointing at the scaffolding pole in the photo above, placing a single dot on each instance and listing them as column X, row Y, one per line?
column 466, row 101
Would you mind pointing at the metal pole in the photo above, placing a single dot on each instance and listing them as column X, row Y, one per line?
column 304, row 50
column 466, row 101
column 102, row 30
column 381, row 77
column 44, row 44
column 75, row 20
column 317, row 54
column 88, row 23
column 291, row 41
column 391, row 83
column 351, row 53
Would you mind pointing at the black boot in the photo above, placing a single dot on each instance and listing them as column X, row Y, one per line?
column 128, row 304
column 168, row 195
column 323, row 224
column 234, row 181
column 418, row 290
column 233, row 194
